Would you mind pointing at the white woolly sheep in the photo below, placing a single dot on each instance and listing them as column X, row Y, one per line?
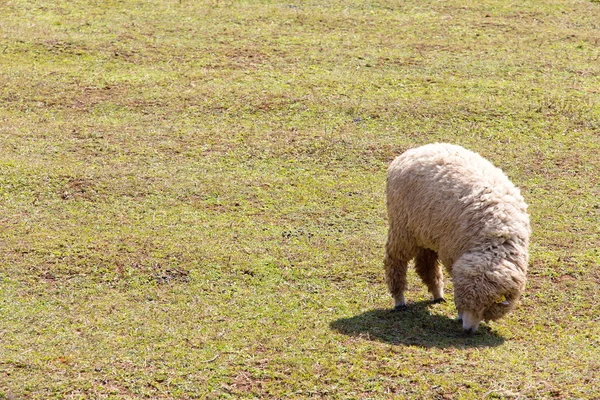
column 449, row 204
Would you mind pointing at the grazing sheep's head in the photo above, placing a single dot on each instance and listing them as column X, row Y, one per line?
column 485, row 288
column 487, row 311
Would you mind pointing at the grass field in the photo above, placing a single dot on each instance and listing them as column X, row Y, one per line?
column 192, row 196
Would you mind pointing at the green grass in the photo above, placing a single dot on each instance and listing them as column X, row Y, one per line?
column 191, row 196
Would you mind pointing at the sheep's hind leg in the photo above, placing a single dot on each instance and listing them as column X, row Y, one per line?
column 430, row 271
column 395, row 277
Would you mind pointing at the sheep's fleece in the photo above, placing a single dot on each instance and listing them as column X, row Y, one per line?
column 449, row 204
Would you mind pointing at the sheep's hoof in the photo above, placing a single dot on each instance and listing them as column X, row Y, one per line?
column 469, row 332
column 400, row 307
column 440, row 300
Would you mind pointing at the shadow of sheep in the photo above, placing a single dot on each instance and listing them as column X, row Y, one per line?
column 415, row 326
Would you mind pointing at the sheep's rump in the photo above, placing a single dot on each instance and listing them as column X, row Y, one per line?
column 448, row 199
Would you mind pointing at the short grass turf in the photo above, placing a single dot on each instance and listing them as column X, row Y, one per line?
column 192, row 196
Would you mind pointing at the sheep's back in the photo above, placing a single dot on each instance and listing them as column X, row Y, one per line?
column 450, row 200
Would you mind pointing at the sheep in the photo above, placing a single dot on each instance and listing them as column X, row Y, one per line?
column 446, row 203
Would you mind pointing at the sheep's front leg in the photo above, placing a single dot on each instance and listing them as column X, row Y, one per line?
column 430, row 271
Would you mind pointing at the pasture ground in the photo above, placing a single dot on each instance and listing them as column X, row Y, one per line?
column 192, row 195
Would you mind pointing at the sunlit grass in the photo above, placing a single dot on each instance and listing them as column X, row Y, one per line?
column 191, row 196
